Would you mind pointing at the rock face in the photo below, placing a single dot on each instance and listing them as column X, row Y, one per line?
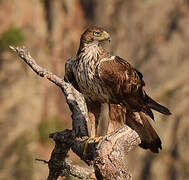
column 152, row 35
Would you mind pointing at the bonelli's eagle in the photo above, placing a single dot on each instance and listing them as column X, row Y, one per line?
column 114, row 86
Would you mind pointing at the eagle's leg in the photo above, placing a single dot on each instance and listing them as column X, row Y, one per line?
column 103, row 120
column 102, row 126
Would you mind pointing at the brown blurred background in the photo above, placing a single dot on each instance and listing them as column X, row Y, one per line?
column 152, row 34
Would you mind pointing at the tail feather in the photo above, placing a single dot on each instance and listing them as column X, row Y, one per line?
column 149, row 112
column 158, row 107
column 139, row 122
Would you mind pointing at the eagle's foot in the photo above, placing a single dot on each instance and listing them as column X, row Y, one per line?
column 92, row 139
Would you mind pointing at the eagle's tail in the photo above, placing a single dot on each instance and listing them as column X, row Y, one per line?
column 139, row 122
column 156, row 106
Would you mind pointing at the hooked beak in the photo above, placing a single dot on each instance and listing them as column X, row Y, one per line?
column 106, row 36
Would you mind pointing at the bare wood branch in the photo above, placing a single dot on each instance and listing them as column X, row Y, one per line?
column 110, row 162
column 80, row 172
column 74, row 99
column 106, row 155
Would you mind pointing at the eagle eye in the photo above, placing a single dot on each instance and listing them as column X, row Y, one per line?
column 96, row 33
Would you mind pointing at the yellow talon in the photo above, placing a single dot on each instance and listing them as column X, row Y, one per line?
column 96, row 139
column 85, row 144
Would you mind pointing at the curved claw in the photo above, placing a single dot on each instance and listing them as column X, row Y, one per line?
column 85, row 144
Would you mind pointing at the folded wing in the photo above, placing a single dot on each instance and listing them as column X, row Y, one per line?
column 125, row 86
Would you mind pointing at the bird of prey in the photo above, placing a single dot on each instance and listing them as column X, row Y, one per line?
column 108, row 79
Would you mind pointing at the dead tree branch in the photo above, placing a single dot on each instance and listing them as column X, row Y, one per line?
column 106, row 156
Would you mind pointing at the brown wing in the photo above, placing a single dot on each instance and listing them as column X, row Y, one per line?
column 140, row 122
column 123, row 82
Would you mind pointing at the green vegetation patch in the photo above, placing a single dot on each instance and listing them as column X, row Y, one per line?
column 13, row 36
column 49, row 125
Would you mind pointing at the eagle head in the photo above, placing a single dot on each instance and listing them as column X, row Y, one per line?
column 95, row 34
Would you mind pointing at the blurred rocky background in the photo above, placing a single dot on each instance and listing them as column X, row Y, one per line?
column 152, row 34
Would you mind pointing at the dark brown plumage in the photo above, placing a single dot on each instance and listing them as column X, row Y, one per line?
column 125, row 85
column 112, row 80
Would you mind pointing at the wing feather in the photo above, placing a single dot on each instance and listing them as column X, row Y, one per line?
column 69, row 75
column 120, row 78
